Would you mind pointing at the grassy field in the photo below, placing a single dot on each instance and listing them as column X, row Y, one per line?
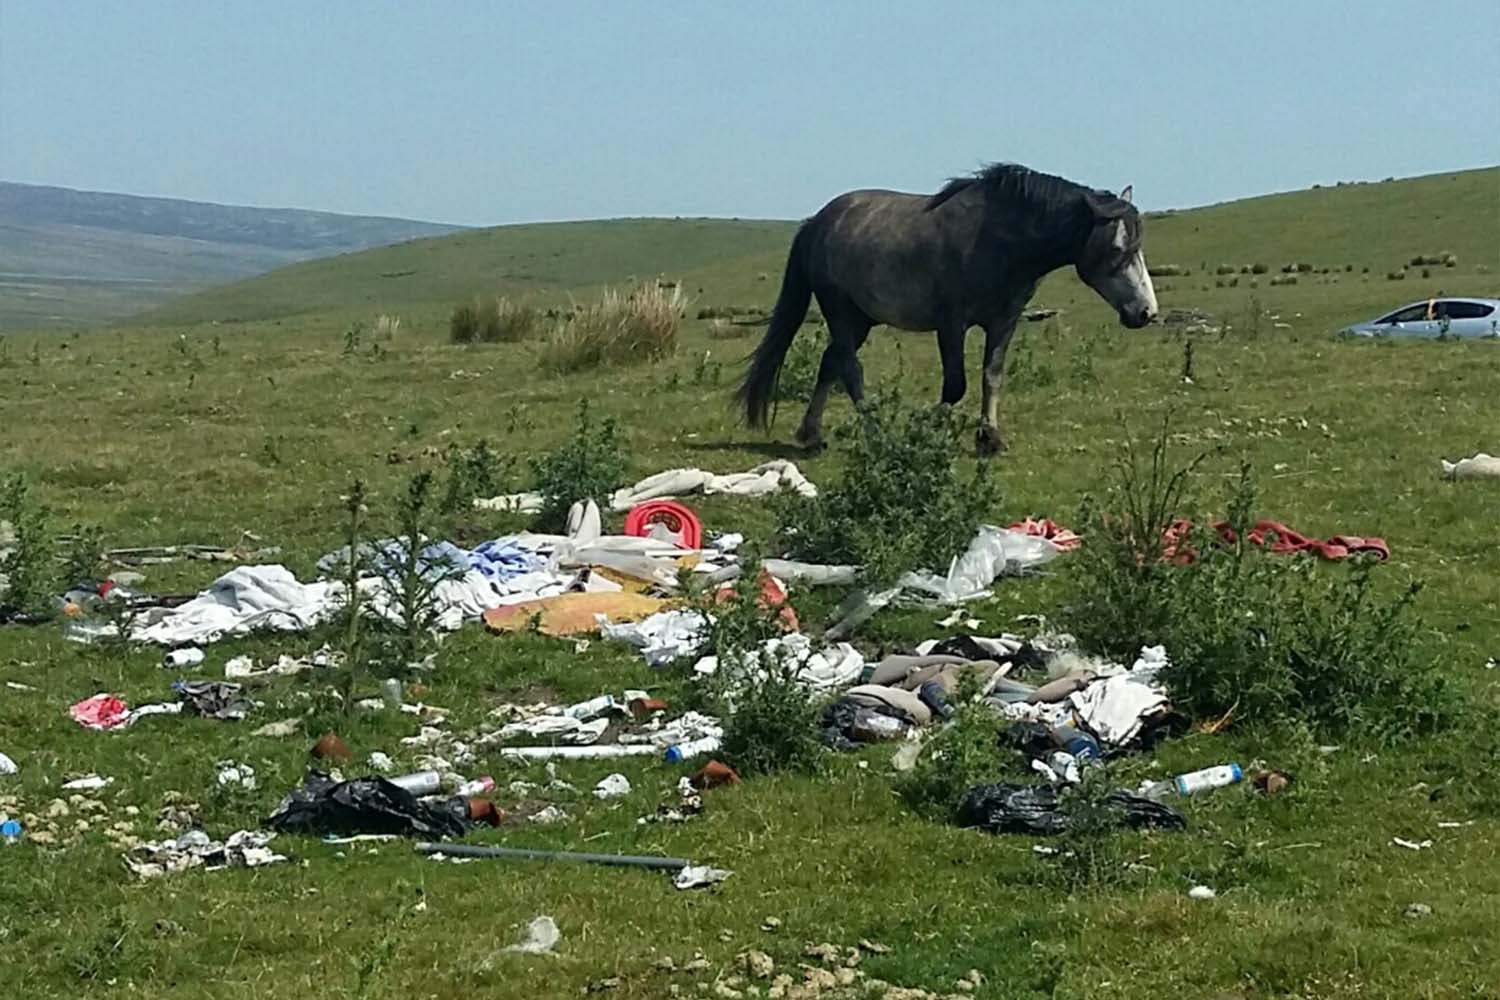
column 240, row 410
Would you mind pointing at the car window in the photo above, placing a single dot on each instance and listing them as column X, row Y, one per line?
column 1468, row 310
column 1411, row 314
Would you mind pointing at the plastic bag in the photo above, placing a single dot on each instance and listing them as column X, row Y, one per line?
column 1034, row 809
column 365, row 805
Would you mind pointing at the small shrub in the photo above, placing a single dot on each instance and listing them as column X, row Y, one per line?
column 474, row 473
column 799, row 372
column 28, row 574
column 589, row 465
column 1304, row 268
column 621, row 328
column 410, row 576
column 957, row 757
column 1270, row 639
column 386, row 326
column 1426, row 273
column 1168, row 270
column 723, row 329
column 1397, row 275
column 901, row 503
column 771, row 721
column 351, row 612
column 353, row 337
column 463, row 325
column 1259, row 268
column 502, row 321
column 1223, row 269
column 1283, row 279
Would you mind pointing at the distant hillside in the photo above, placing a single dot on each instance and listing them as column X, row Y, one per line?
column 1379, row 226
column 77, row 257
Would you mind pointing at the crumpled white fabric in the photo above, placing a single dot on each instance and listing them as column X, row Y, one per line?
column 699, row 876
column 768, row 477
column 242, row 600
column 835, row 666
column 520, row 503
column 542, row 936
column 1113, row 707
column 662, row 637
column 686, row 728
column 1480, row 466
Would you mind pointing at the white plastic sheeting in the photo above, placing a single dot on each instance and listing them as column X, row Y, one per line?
column 769, row 477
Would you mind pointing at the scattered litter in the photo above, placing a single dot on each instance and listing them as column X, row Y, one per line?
column 8, row 766
column 1411, row 845
column 1416, row 911
column 365, row 805
column 547, row 816
column 572, row 614
column 233, row 773
column 243, row 849
column 699, row 876
column 1201, row 892
column 714, row 774
column 105, row 711
column 689, row 804
column 381, row 762
column 666, row 520
column 661, row 637
column 1272, row 782
column 960, row 617
column 612, row 786
column 541, row 937
column 88, row 783
column 771, row 925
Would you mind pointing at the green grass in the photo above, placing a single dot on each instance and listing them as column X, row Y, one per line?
column 164, row 440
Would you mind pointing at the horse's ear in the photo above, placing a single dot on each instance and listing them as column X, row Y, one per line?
column 1125, row 195
column 1106, row 206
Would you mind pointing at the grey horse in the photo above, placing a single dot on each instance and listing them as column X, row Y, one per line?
column 972, row 254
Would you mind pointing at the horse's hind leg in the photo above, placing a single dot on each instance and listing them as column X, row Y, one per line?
column 847, row 329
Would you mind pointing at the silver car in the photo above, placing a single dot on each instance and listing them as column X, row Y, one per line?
column 1445, row 317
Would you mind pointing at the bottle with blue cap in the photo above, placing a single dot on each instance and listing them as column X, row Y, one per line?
column 10, row 831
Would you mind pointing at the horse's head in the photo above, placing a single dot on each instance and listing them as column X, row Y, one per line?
column 1112, row 263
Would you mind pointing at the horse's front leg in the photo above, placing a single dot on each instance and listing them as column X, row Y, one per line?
column 996, row 340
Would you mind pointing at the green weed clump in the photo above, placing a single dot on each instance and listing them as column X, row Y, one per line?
column 473, row 473
column 588, row 466
column 964, row 753
column 799, row 372
column 463, row 324
column 901, row 502
column 1269, row 639
column 502, row 321
column 622, row 328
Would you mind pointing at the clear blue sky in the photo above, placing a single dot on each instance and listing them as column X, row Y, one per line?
column 506, row 111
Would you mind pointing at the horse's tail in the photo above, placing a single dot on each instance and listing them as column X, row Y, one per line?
column 791, row 308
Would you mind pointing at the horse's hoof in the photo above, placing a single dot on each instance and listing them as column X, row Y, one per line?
column 810, row 440
column 988, row 441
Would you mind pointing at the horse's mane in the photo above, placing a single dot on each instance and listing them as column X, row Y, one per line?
column 1043, row 194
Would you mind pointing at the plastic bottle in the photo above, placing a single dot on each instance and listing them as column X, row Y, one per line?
column 1193, row 782
column 1208, row 778
column 1080, row 744
column 419, row 783
column 873, row 727
column 478, row 786
column 693, row 748
column 10, row 830
column 390, row 690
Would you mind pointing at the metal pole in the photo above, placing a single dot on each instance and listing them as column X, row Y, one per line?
column 621, row 860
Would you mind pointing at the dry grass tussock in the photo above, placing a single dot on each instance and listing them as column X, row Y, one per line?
column 623, row 327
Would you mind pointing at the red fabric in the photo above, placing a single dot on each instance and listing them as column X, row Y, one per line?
column 1286, row 541
column 102, row 711
column 1050, row 530
column 678, row 519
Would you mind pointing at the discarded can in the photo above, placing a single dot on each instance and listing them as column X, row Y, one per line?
column 419, row 782
column 478, row 786
column 390, row 690
column 1208, row 778
column 691, row 749
column 330, row 747
column 936, row 698
column 1077, row 742
column 189, row 656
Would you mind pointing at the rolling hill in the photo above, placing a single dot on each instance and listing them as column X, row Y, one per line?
column 70, row 258
column 1378, row 226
